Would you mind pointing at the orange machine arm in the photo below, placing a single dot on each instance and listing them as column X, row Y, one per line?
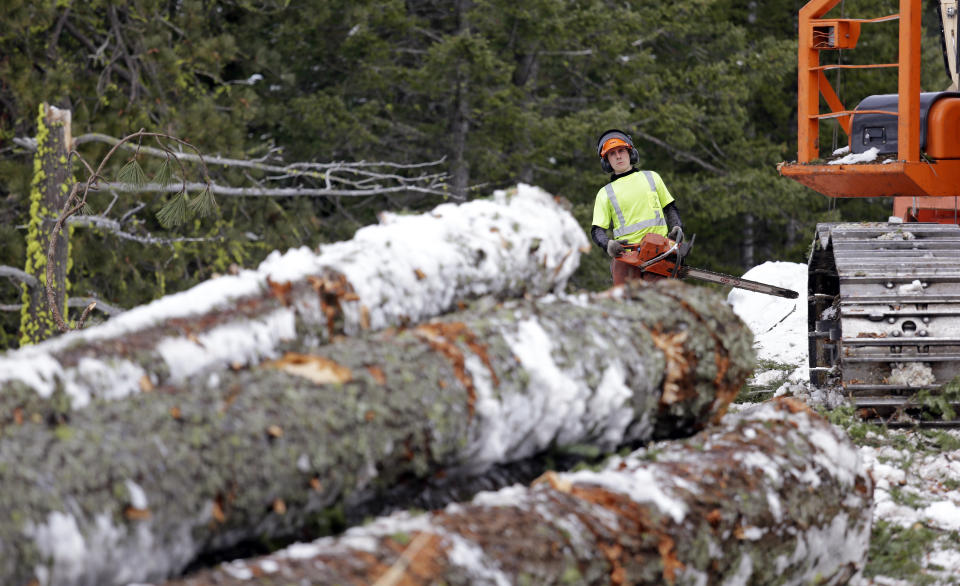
column 817, row 34
column 906, row 178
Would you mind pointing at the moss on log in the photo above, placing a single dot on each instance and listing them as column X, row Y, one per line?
column 133, row 489
column 402, row 271
column 776, row 495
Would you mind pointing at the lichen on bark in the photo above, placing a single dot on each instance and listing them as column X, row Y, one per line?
column 52, row 177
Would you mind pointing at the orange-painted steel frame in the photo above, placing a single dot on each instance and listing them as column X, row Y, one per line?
column 908, row 176
column 812, row 82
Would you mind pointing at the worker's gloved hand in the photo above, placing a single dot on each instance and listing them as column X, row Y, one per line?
column 615, row 247
column 676, row 234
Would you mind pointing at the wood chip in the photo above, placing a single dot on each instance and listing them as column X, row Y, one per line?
column 315, row 368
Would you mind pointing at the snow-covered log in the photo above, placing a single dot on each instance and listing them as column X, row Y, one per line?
column 404, row 270
column 131, row 490
column 776, row 495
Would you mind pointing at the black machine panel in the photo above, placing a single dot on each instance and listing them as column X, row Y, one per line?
column 880, row 130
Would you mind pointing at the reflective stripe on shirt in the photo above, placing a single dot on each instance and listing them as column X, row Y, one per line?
column 657, row 219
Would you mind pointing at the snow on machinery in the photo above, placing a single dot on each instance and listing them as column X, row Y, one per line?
column 883, row 297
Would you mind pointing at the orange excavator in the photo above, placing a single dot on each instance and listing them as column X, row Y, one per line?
column 883, row 297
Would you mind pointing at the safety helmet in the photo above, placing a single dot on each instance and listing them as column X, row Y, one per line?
column 611, row 139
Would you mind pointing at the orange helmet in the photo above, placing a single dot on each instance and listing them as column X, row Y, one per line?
column 613, row 143
column 612, row 139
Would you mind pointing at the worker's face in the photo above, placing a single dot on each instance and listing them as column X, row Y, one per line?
column 619, row 159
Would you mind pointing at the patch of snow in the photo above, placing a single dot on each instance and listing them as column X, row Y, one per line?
column 911, row 374
column 640, row 485
column 242, row 343
column 474, row 562
column 775, row 321
column 913, row 287
column 138, row 498
column 943, row 514
column 269, row 566
column 865, row 157
column 60, row 541
column 237, row 569
column 897, row 235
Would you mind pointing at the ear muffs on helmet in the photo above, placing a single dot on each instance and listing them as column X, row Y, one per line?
column 614, row 133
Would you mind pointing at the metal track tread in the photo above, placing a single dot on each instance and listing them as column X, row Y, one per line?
column 884, row 311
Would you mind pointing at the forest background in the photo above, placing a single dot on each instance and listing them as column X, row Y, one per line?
column 500, row 91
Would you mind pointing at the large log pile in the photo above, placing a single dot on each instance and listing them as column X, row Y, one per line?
column 404, row 270
column 776, row 495
column 132, row 489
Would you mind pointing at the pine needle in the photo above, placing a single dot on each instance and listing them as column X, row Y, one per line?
column 164, row 175
column 204, row 204
column 174, row 212
column 133, row 174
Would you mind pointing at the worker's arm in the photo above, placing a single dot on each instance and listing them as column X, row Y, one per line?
column 672, row 215
column 613, row 247
column 599, row 236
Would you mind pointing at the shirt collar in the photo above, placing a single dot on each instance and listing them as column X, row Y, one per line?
column 614, row 176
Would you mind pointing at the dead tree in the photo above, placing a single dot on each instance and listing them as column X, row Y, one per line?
column 775, row 495
column 52, row 182
column 57, row 199
column 144, row 484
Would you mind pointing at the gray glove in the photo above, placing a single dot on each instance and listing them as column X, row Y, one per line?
column 615, row 247
column 676, row 234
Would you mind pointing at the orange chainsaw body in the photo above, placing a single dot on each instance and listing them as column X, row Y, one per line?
column 651, row 246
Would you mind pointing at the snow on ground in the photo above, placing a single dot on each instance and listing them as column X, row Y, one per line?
column 916, row 536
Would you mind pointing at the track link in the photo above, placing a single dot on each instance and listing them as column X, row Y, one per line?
column 884, row 316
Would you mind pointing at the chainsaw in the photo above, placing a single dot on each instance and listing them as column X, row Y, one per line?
column 662, row 256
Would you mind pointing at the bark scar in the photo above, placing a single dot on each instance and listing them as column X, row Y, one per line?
column 443, row 338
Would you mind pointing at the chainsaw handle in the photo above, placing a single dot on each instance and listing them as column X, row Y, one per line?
column 661, row 256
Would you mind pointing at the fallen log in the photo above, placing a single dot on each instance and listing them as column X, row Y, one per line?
column 776, row 495
column 404, row 270
column 132, row 490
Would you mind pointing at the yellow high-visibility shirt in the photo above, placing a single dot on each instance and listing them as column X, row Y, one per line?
column 633, row 206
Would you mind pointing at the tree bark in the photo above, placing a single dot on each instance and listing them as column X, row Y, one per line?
column 51, row 184
column 776, row 495
column 402, row 271
column 141, row 486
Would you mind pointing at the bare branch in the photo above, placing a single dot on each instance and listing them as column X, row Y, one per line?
column 74, row 302
column 85, row 314
column 680, row 154
column 229, row 191
column 114, row 227
column 28, row 143
column 100, row 305
column 19, row 275
column 300, row 168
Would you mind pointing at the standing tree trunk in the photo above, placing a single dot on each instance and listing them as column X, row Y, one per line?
column 143, row 485
column 459, row 119
column 748, row 248
column 775, row 496
column 52, row 179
